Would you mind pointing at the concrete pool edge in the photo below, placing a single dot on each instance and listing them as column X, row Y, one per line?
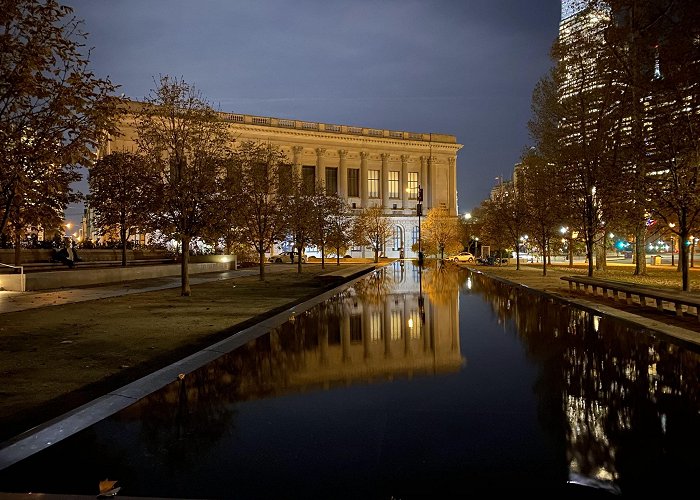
column 44, row 435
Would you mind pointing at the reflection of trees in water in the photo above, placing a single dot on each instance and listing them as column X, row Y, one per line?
column 374, row 289
column 627, row 402
column 441, row 282
column 193, row 413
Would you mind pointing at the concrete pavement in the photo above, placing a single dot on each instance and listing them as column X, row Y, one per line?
column 21, row 301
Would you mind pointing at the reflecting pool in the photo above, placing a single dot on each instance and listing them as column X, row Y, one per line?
column 433, row 383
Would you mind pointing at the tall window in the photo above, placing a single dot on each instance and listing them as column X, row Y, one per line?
column 375, row 326
column 333, row 332
column 373, row 183
column 331, row 180
column 354, row 182
column 393, row 184
column 396, row 324
column 355, row 329
column 414, row 324
column 398, row 238
column 412, row 185
column 308, row 175
column 414, row 236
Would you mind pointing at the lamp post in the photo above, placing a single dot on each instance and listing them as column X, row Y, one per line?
column 419, row 212
column 673, row 256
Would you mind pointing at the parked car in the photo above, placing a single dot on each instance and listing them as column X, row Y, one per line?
column 462, row 257
column 286, row 258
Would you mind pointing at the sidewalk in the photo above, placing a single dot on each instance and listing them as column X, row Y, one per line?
column 22, row 301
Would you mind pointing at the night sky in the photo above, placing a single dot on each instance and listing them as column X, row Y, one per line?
column 462, row 67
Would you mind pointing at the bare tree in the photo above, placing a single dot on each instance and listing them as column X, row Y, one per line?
column 541, row 190
column 590, row 117
column 184, row 138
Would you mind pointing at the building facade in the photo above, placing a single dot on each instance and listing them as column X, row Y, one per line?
column 366, row 166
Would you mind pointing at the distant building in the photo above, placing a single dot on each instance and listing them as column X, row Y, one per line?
column 366, row 166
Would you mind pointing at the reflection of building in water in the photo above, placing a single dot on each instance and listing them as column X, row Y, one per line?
column 377, row 330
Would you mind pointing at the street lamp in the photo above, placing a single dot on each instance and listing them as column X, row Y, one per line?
column 673, row 250
column 419, row 212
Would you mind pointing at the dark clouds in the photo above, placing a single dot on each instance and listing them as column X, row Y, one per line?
column 463, row 67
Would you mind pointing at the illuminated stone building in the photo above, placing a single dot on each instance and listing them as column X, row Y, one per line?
column 366, row 166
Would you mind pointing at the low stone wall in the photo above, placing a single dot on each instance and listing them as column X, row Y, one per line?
column 7, row 256
column 76, row 277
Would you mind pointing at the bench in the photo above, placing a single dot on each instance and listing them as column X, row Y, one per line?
column 677, row 300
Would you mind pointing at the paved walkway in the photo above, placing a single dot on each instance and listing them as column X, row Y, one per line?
column 22, row 301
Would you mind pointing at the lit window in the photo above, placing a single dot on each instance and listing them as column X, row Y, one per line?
column 375, row 326
column 393, row 184
column 412, row 185
column 396, row 323
column 373, row 183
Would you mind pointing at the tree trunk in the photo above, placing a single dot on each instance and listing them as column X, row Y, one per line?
column 337, row 255
column 545, row 252
column 299, row 260
column 376, row 255
column 261, row 263
column 323, row 256
column 683, row 261
column 640, row 266
column 185, row 290
column 571, row 251
column 122, row 235
column 18, row 248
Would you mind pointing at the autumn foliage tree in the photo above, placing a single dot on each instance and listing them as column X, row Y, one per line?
column 53, row 111
column 441, row 232
column 372, row 228
column 124, row 191
column 182, row 136
column 253, row 182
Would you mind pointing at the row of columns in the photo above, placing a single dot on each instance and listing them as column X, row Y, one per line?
column 426, row 176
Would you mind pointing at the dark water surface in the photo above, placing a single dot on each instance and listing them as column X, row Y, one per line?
column 432, row 384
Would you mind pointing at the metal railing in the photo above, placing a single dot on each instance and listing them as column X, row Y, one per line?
column 21, row 268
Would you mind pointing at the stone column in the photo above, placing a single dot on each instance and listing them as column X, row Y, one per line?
column 363, row 177
column 386, row 202
column 320, row 170
column 426, row 180
column 297, row 150
column 342, row 174
column 386, row 324
column 404, row 181
column 452, row 176
column 345, row 338
column 421, row 178
column 366, row 345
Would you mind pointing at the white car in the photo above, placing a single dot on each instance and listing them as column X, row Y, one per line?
column 286, row 258
column 462, row 257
